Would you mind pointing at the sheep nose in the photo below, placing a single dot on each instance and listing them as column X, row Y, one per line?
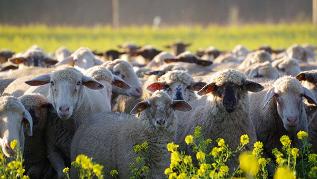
column 161, row 122
column 292, row 120
column 64, row 109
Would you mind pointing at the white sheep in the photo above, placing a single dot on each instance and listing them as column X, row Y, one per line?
column 240, row 52
column 118, row 133
column 279, row 110
column 287, row 66
column 14, row 120
column 61, row 53
column 158, row 60
column 224, row 112
column 255, row 57
column 262, row 70
column 82, row 59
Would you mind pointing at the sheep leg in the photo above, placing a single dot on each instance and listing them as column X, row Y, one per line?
column 57, row 162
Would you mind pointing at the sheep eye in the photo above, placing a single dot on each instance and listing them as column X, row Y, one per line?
column 52, row 83
column 78, row 83
column 116, row 73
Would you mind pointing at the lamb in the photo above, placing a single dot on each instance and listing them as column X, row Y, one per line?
column 82, row 59
column 224, row 113
column 287, row 66
column 15, row 121
column 62, row 53
column 120, row 132
column 279, row 110
column 35, row 153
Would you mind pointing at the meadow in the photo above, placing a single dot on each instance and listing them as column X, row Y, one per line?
column 19, row 38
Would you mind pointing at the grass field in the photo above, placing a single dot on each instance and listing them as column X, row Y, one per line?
column 103, row 37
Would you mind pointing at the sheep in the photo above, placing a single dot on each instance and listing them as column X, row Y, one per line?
column 178, row 47
column 297, row 52
column 255, row 57
column 61, row 53
column 82, row 59
column 15, row 121
column 211, row 53
column 240, row 52
column 35, row 153
column 34, row 56
column 148, row 53
column 120, row 132
column 225, row 112
column 309, row 80
column 279, row 110
column 287, row 66
column 158, row 60
column 262, row 70
column 130, row 53
column 125, row 71
column 178, row 84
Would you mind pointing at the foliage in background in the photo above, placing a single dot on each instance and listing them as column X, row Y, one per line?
column 104, row 37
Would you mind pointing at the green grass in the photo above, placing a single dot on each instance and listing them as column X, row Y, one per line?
column 103, row 37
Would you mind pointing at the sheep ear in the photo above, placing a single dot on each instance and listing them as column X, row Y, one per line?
column 27, row 122
column 40, row 80
column 309, row 96
column 303, row 76
column 196, row 86
column 69, row 60
column 91, row 83
column 50, row 61
column 253, row 86
column 17, row 60
column 156, row 86
column 181, row 105
column 141, row 106
column 118, row 82
column 268, row 97
column 9, row 67
column 208, row 89
column 202, row 62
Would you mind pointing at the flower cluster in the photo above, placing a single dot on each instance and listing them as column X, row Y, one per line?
column 86, row 167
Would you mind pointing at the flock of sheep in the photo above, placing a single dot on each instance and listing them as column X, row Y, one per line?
column 60, row 105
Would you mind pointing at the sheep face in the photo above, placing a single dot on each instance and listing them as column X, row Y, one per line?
column 178, row 47
column 14, row 118
column 287, row 94
column 82, row 58
column 264, row 70
column 66, row 89
column 159, row 109
column 287, row 66
column 124, row 70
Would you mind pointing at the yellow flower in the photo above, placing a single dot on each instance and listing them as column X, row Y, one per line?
column 285, row 141
column 215, row 151
column 294, row 152
column 262, row 161
column 200, row 156
column 175, row 158
column 221, row 142
column 257, row 148
column 312, row 158
column 13, row 144
column 187, row 159
column 223, row 171
column 66, row 170
column 182, row 176
column 202, row 169
column 244, row 139
column 284, row 173
column 172, row 176
column 302, row 135
column 249, row 163
column 280, row 160
column 114, row 173
column 97, row 169
column 171, row 147
column 168, row 171
column 189, row 139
